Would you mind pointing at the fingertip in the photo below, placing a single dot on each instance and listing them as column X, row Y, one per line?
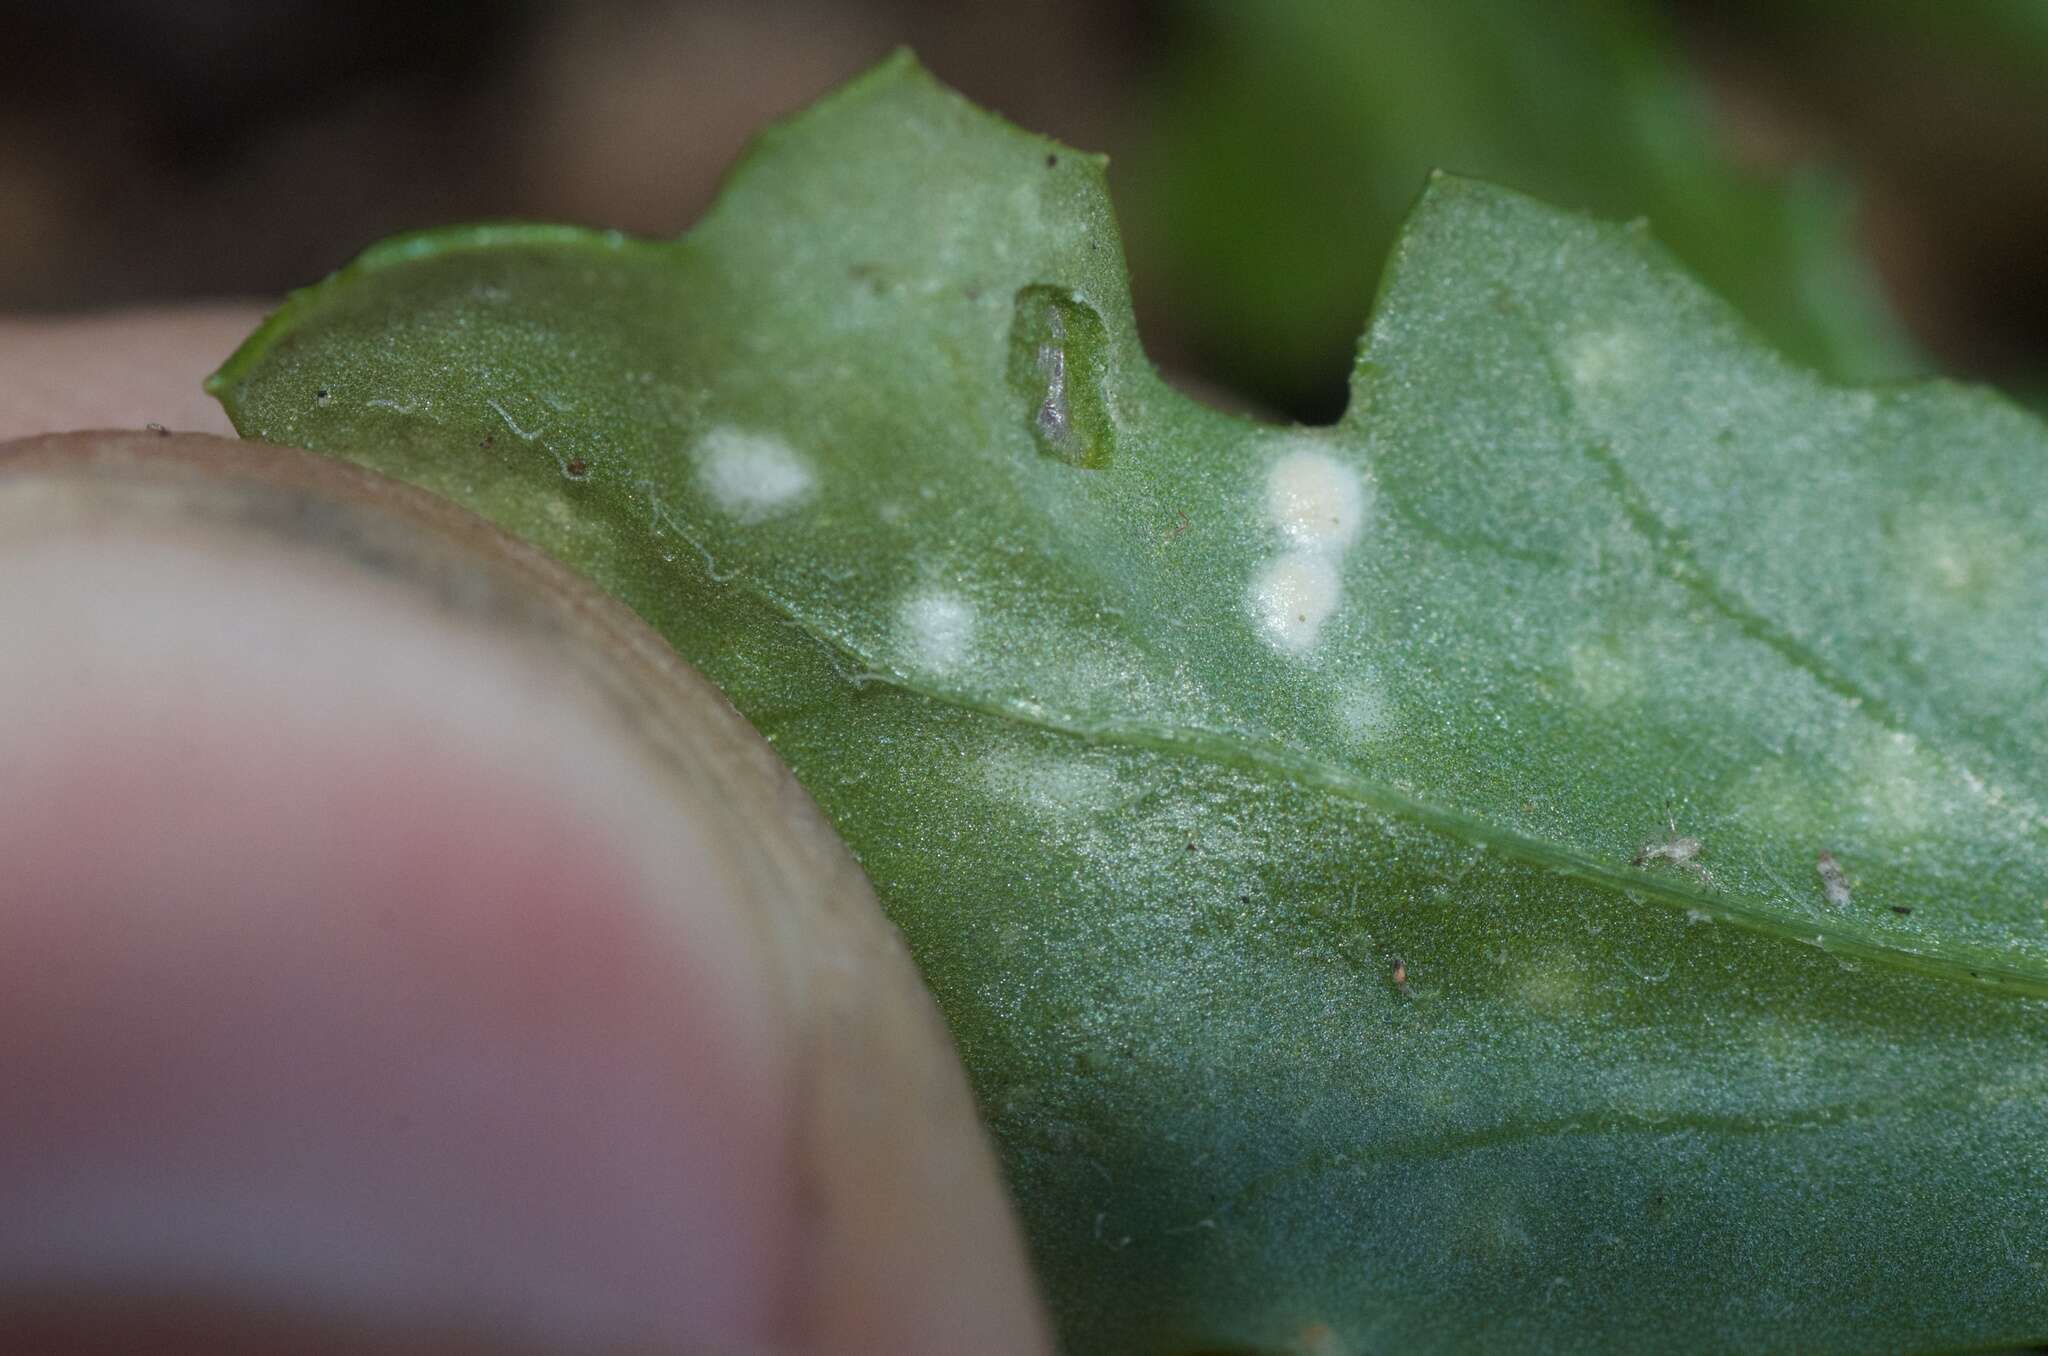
column 121, row 369
column 422, row 942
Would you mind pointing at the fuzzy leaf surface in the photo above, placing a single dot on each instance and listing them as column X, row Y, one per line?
column 1166, row 736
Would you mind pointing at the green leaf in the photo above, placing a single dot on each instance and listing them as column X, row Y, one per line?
column 1289, row 139
column 1171, row 739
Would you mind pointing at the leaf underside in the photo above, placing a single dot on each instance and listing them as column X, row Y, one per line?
column 1541, row 680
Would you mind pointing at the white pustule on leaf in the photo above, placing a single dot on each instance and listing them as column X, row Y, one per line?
column 1318, row 506
column 1834, row 882
column 1316, row 502
column 751, row 476
column 1292, row 597
column 938, row 628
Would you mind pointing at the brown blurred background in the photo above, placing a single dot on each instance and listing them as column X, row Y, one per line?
column 155, row 150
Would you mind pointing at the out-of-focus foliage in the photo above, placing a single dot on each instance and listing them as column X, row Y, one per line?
column 1939, row 112
column 2000, row 31
column 1290, row 138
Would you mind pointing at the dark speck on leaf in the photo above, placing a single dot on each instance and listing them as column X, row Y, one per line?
column 1052, row 162
column 1901, row 910
column 578, row 466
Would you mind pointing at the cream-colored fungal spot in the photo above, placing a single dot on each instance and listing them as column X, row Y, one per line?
column 1317, row 505
column 560, row 513
column 1553, row 983
column 938, row 628
column 1362, row 710
column 751, row 476
column 1320, row 1339
column 1781, row 1045
column 1899, row 786
column 1782, row 795
column 1602, row 359
column 1962, row 556
column 1603, row 675
column 1050, row 786
column 1649, row 659
column 1315, row 501
column 1834, row 881
column 1291, row 599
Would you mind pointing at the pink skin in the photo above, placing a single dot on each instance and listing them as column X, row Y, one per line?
column 317, row 990
column 352, row 981
column 124, row 372
column 467, row 1033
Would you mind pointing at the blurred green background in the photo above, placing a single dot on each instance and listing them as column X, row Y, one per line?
column 1866, row 179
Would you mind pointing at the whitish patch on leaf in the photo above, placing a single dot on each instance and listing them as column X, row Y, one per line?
column 1316, row 504
column 1049, row 785
column 752, row 476
column 1315, row 501
column 1834, row 882
column 938, row 629
column 1362, row 709
column 1600, row 361
column 1292, row 597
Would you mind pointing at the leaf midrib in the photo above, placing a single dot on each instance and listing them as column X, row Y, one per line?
column 1239, row 755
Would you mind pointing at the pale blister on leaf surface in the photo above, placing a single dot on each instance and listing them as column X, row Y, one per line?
column 1166, row 736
